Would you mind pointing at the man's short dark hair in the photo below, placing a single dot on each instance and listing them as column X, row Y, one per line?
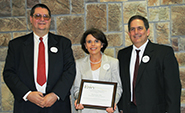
column 96, row 33
column 39, row 5
column 145, row 21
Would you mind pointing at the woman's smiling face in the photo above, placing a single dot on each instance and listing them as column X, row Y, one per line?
column 93, row 45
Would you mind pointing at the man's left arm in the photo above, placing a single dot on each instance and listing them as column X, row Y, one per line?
column 62, row 88
column 172, row 82
column 65, row 82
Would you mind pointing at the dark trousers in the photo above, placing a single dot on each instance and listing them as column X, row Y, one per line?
column 133, row 108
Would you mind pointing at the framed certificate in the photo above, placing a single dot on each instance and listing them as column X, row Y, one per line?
column 97, row 94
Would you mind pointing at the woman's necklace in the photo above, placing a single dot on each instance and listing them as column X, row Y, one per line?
column 96, row 62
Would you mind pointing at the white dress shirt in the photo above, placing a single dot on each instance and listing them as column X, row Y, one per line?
column 132, row 63
column 36, row 50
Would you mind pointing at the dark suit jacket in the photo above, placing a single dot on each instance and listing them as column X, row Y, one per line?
column 158, row 86
column 19, row 73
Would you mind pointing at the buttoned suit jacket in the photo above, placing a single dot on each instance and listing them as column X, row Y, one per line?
column 158, row 86
column 109, row 71
column 19, row 73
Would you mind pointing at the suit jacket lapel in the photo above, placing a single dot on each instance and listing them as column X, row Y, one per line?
column 126, row 65
column 28, row 50
column 52, row 57
column 147, row 52
column 87, row 68
column 102, row 70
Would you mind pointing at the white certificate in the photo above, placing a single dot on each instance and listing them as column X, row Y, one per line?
column 97, row 94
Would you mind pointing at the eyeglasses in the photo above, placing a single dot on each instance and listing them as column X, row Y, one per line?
column 39, row 16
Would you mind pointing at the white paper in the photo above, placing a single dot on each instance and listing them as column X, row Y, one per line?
column 97, row 94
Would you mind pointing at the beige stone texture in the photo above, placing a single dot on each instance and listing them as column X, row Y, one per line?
column 182, row 76
column 164, row 13
column 182, row 109
column 7, row 98
column 71, row 27
column 153, row 2
column 87, row 1
column 6, row 112
column 78, row 52
column 127, row 38
column 151, row 28
column 109, row 52
column 114, row 39
column 52, row 26
column 183, row 98
column 96, row 16
column 153, row 14
column 163, row 33
column 178, row 21
column 133, row 8
column 1, row 70
column 168, row 2
column 180, row 58
column 29, row 26
column 77, row 6
column 4, row 39
column 112, row 0
column 3, row 51
column 159, row 14
column 18, row 34
column 5, row 8
column 175, row 44
column 18, row 7
column 31, row 3
column 58, row 6
column 114, row 17
column 181, row 44
column 117, row 50
column 12, row 24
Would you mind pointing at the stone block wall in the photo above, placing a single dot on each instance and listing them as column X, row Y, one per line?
column 71, row 18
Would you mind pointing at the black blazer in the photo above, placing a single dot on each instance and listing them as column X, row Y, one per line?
column 19, row 73
column 158, row 86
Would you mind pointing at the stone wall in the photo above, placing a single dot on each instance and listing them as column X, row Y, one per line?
column 72, row 17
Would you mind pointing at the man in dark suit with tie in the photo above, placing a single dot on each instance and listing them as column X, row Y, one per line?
column 40, row 68
column 155, row 87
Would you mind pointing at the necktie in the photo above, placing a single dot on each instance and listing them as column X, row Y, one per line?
column 135, row 74
column 41, row 71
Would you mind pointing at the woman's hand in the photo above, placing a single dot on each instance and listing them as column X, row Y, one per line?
column 78, row 106
column 111, row 110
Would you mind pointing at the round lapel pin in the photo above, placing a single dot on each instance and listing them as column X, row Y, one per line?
column 54, row 49
column 145, row 59
column 106, row 66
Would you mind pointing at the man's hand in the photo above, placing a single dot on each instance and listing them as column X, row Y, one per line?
column 49, row 100
column 36, row 98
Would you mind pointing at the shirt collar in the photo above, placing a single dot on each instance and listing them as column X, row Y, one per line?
column 142, row 48
column 37, row 37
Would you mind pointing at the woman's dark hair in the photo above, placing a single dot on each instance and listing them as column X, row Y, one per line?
column 39, row 5
column 145, row 21
column 96, row 33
